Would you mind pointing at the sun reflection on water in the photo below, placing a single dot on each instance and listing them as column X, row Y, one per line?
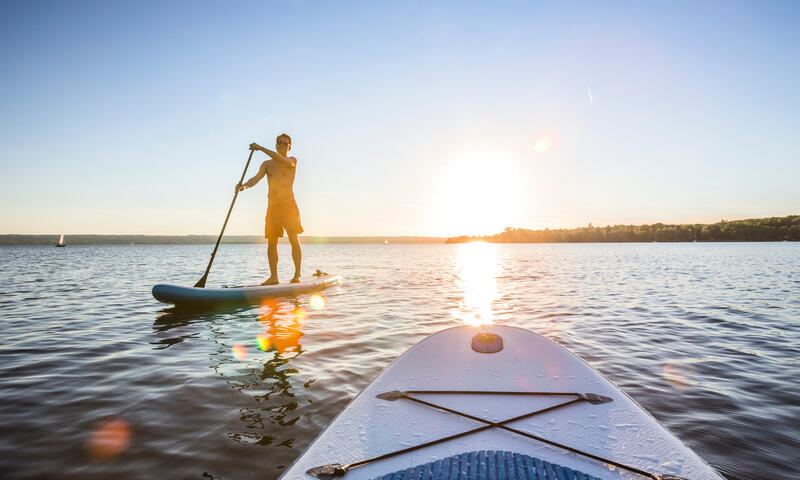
column 476, row 278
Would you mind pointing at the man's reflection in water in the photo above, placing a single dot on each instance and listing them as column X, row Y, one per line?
column 281, row 323
column 270, row 410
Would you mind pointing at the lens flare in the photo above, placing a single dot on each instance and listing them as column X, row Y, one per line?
column 240, row 352
column 543, row 144
column 263, row 342
column 680, row 376
column 317, row 302
column 108, row 440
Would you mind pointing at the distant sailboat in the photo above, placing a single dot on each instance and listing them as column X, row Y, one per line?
column 386, row 241
column 61, row 240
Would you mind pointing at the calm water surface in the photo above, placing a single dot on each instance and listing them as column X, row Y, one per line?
column 98, row 380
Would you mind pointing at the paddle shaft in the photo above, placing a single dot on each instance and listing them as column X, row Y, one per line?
column 202, row 282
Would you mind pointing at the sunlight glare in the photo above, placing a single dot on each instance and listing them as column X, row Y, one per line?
column 479, row 194
column 478, row 264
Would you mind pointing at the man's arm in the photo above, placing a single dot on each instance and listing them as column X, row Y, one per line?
column 256, row 178
column 291, row 161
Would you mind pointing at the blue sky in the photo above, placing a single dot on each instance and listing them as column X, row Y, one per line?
column 407, row 118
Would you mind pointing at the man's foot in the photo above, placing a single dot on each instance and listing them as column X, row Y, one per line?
column 295, row 279
column 271, row 281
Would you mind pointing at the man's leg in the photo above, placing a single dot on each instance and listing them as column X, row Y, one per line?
column 297, row 255
column 272, row 256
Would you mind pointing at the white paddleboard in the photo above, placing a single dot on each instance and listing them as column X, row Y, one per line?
column 193, row 296
column 618, row 430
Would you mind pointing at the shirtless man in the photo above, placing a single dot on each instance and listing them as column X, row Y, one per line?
column 282, row 211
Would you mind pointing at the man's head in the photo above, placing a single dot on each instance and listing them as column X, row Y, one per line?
column 283, row 144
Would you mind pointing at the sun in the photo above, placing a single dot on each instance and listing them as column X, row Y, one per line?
column 479, row 194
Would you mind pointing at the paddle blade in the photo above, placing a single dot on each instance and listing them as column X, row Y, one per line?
column 202, row 282
column 391, row 396
column 327, row 472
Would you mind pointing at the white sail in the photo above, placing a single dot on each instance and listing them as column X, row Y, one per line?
column 61, row 239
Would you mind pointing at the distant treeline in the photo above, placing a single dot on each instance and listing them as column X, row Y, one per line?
column 192, row 239
column 771, row 229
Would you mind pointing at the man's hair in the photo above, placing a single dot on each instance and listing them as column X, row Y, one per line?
column 283, row 135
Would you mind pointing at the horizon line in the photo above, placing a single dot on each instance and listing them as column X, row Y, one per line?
column 403, row 235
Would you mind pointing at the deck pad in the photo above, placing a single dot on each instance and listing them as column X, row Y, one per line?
column 488, row 465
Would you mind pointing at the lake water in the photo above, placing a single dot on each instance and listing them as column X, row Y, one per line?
column 98, row 380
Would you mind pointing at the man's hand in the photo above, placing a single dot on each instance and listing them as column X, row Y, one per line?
column 239, row 187
column 291, row 161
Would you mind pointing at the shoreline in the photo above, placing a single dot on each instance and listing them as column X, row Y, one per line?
column 768, row 229
column 50, row 240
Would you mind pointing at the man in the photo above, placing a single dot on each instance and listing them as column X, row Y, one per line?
column 282, row 211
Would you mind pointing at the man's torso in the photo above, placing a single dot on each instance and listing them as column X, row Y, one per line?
column 280, row 178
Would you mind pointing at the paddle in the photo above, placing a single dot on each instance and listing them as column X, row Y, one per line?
column 202, row 282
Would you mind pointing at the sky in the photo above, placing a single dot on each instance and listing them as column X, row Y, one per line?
column 407, row 118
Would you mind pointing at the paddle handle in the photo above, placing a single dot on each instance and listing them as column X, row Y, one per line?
column 202, row 282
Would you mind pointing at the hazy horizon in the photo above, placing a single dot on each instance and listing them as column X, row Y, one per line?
column 411, row 119
column 375, row 236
